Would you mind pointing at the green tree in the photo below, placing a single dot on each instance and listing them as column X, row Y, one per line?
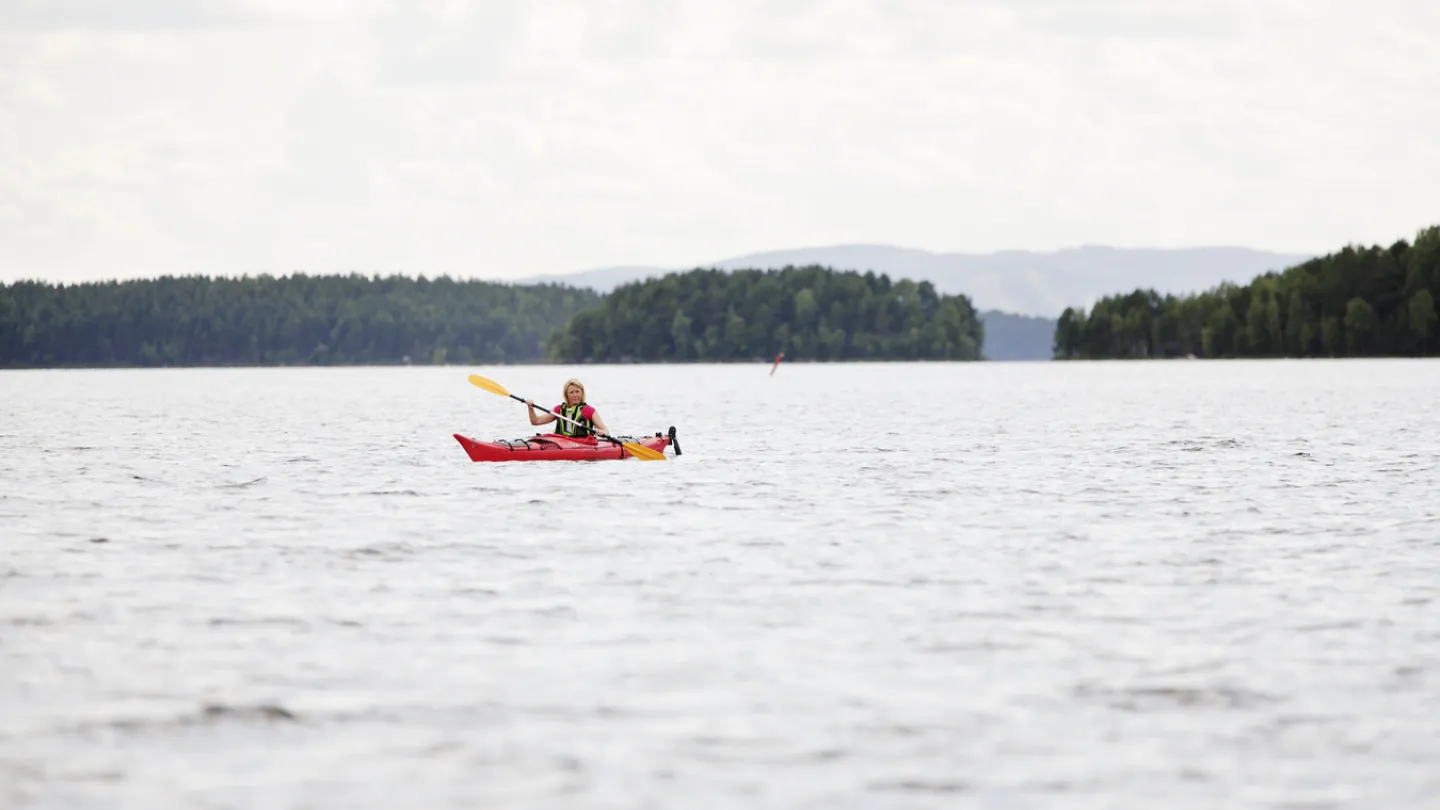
column 680, row 336
column 1359, row 326
column 1274, row 334
column 1330, row 335
column 1422, row 319
column 1423, row 262
column 1297, row 319
column 806, row 311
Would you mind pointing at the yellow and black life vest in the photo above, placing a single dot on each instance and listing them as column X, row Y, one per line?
column 576, row 412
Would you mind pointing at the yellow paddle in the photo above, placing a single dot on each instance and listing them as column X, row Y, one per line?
column 639, row 451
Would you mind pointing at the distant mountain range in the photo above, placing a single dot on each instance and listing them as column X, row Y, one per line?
column 1006, row 286
column 1017, row 337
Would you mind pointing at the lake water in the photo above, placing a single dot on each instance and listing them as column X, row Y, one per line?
column 1151, row 584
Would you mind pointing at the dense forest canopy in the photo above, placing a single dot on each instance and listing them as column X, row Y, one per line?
column 1358, row 301
column 289, row 320
column 810, row 313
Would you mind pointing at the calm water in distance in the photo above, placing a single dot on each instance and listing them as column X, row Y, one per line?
column 1149, row 585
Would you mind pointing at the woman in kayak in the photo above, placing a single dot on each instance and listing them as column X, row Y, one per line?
column 573, row 407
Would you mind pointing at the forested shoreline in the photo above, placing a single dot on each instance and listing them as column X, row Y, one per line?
column 1355, row 302
column 809, row 313
column 289, row 320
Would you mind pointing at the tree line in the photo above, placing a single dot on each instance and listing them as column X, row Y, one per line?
column 290, row 320
column 1358, row 301
column 809, row 313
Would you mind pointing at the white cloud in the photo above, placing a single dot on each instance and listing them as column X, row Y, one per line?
column 506, row 139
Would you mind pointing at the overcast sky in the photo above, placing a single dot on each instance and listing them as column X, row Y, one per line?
column 504, row 139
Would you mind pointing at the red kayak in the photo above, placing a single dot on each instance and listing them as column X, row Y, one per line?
column 554, row 447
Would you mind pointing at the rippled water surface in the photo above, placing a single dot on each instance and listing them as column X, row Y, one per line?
column 1151, row 585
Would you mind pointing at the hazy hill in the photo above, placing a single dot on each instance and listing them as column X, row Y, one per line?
column 1022, row 282
column 1017, row 337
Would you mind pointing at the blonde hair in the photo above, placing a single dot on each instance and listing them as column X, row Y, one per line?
column 565, row 390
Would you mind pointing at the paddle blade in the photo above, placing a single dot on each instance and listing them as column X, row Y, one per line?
column 489, row 385
column 642, row 452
